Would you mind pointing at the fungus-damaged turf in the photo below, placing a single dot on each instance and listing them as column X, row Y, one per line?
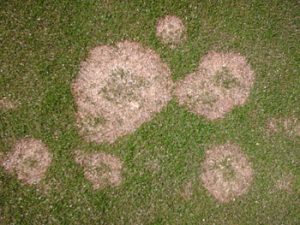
column 118, row 89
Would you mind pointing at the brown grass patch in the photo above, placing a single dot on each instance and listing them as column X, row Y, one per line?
column 290, row 127
column 227, row 173
column 29, row 160
column 171, row 30
column 222, row 81
column 118, row 89
column 7, row 104
column 101, row 169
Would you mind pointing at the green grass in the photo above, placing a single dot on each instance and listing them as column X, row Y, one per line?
column 42, row 44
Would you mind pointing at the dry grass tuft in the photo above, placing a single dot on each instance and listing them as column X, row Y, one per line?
column 118, row 89
column 222, row 81
column 101, row 169
column 29, row 160
column 171, row 30
column 227, row 173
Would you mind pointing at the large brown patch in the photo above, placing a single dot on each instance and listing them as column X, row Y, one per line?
column 171, row 30
column 226, row 173
column 222, row 81
column 29, row 160
column 101, row 169
column 118, row 89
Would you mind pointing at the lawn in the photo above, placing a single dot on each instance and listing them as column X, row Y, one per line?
column 42, row 46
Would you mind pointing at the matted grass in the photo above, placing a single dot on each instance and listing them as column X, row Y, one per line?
column 42, row 46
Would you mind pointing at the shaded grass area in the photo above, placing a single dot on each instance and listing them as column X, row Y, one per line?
column 42, row 44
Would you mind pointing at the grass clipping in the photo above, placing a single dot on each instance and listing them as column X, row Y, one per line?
column 29, row 160
column 222, row 81
column 101, row 169
column 171, row 30
column 118, row 89
column 227, row 173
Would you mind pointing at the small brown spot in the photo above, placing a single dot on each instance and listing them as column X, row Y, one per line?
column 153, row 165
column 227, row 173
column 187, row 190
column 171, row 30
column 101, row 169
column 7, row 104
column 289, row 126
column 222, row 81
column 285, row 183
column 29, row 159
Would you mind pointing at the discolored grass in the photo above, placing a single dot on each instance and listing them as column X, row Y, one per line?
column 289, row 127
column 222, row 82
column 6, row 104
column 42, row 46
column 171, row 30
column 29, row 160
column 100, row 169
column 227, row 173
column 122, row 87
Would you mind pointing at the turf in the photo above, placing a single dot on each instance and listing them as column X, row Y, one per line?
column 42, row 44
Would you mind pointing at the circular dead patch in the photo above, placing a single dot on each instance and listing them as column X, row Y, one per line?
column 222, row 81
column 227, row 173
column 118, row 89
column 101, row 169
column 29, row 160
column 170, row 30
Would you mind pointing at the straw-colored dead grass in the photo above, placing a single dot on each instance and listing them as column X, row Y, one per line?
column 171, row 30
column 290, row 126
column 29, row 160
column 7, row 104
column 101, row 169
column 226, row 173
column 222, row 81
column 118, row 89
